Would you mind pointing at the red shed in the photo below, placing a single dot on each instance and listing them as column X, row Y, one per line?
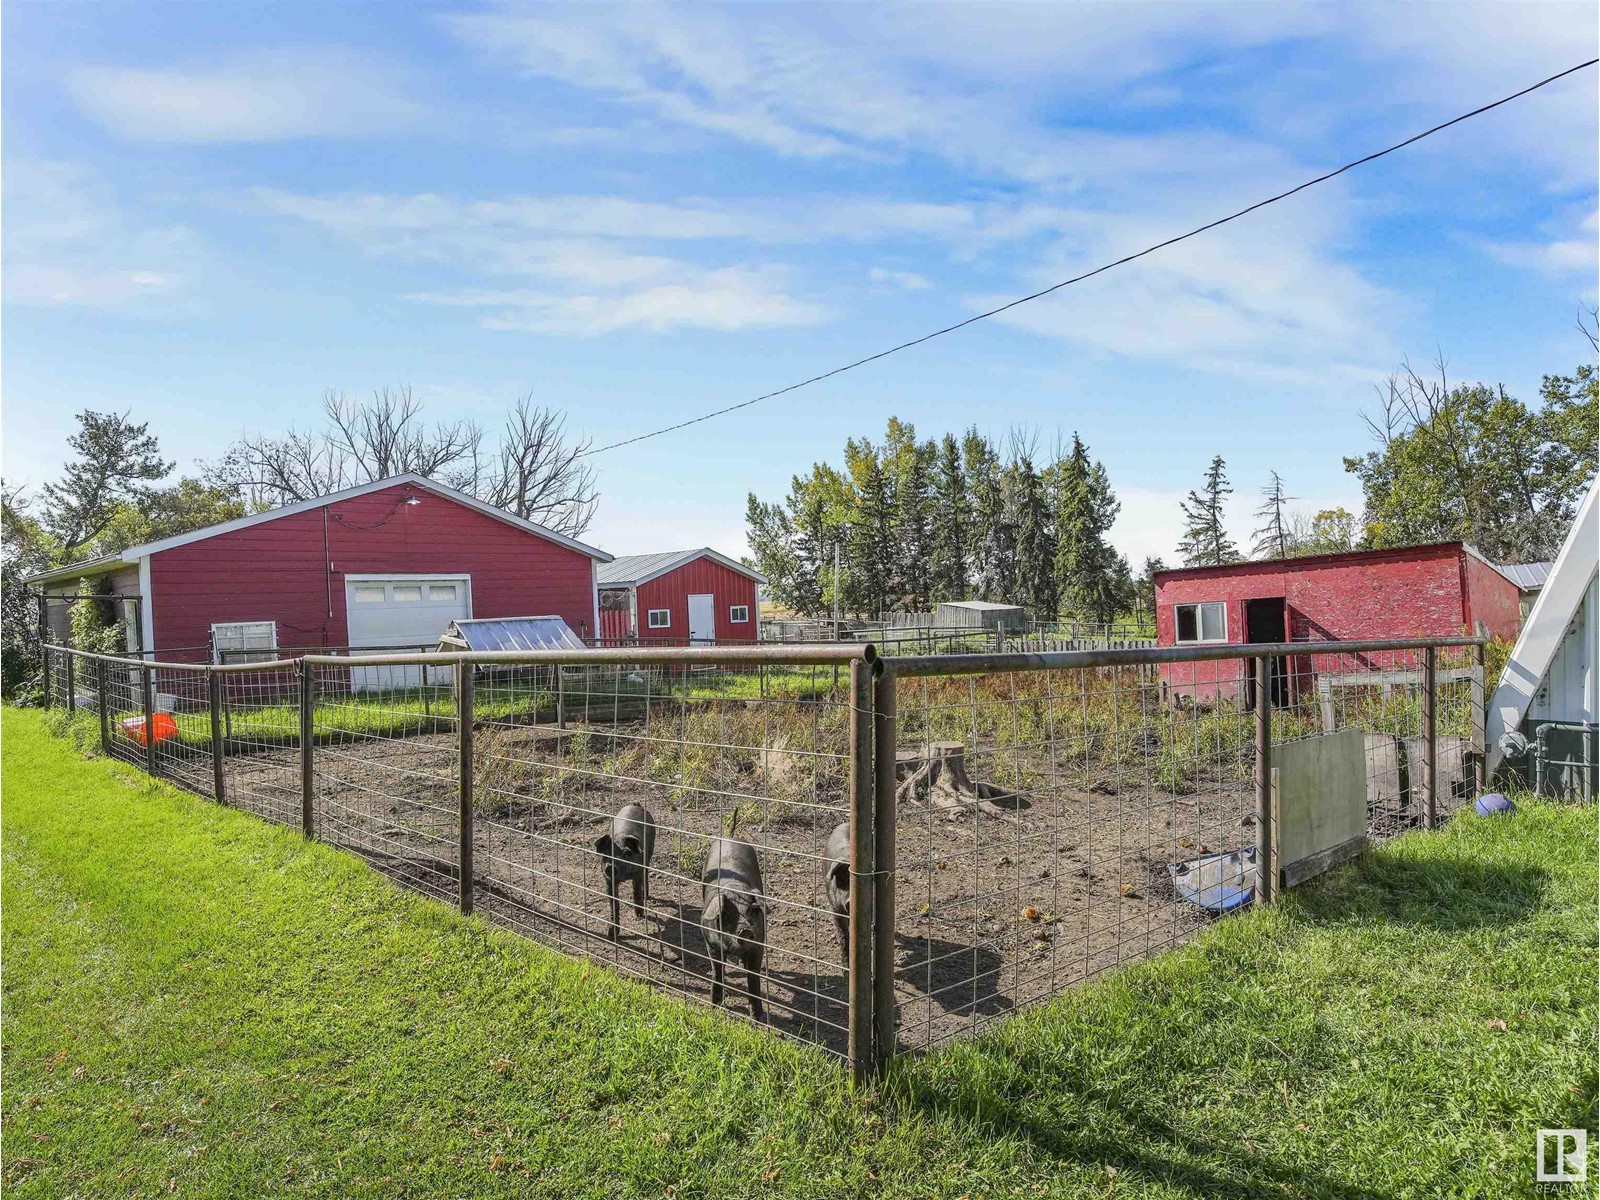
column 694, row 595
column 1440, row 590
column 389, row 563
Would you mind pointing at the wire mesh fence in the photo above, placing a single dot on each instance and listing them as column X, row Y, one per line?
column 870, row 854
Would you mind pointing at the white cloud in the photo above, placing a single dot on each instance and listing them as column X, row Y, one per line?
column 728, row 299
column 67, row 244
column 1269, row 300
column 908, row 280
column 270, row 96
column 1573, row 249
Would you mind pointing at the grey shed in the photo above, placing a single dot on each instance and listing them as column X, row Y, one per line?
column 981, row 614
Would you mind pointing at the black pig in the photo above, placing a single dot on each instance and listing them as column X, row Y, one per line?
column 837, row 884
column 625, row 853
column 733, row 919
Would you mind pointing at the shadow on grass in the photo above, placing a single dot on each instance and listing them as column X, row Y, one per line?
column 1450, row 892
column 1009, row 1089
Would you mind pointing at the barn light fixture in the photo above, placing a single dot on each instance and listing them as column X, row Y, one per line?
column 410, row 500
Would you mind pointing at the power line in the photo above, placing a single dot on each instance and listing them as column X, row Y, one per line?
column 928, row 337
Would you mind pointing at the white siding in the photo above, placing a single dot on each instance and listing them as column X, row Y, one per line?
column 1567, row 691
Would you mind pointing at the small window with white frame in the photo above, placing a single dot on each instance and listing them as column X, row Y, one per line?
column 659, row 618
column 739, row 614
column 1206, row 622
column 244, row 641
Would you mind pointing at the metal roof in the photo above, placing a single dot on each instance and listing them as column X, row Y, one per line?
column 630, row 570
column 980, row 605
column 91, row 566
column 1529, row 577
column 511, row 633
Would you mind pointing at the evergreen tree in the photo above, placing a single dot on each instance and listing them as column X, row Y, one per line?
column 1205, row 537
column 991, row 544
column 1146, row 586
column 869, row 553
column 1033, row 581
column 116, row 463
column 947, row 561
column 1085, row 563
column 909, row 467
column 1275, row 538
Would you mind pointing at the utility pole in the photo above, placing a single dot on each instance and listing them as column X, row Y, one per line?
column 836, row 591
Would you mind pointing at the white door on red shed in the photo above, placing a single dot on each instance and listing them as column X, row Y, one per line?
column 406, row 612
column 702, row 618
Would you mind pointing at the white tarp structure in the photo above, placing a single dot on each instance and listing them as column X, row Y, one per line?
column 1555, row 665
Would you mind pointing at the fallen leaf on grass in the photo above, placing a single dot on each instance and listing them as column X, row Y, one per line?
column 1498, row 1024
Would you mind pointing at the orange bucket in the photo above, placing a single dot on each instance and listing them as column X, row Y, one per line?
column 162, row 726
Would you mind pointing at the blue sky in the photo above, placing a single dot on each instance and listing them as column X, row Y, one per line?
column 214, row 212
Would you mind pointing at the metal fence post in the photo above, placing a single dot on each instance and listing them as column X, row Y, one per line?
column 308, row 696
column 1266, row 866
column 464, row 711
column 561, row 698
column 44, row 672
column 105, row 709
column 884, row 745
column 214, row 699
column 1480, row 718
column 1430, row 741
column 72, row 684
column 147, row 687
column 862, row 883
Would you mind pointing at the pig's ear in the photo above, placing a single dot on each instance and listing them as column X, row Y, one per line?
column 602, row 845
column 839, row 873
column 714, row 909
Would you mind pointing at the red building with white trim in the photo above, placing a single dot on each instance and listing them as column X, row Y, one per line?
column 681, row 595
column 1440, row 590
column 389, row 563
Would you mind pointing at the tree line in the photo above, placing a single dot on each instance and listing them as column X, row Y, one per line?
column 905, row 523
column 1452, row 462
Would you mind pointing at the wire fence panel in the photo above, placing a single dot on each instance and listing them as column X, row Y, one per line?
column 385, row 770
column 626, row 778
column 741, row 825
column 1039, row 817
column 180, row 727
column 259, row 719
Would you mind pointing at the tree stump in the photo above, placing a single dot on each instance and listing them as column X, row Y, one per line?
column 938, row 777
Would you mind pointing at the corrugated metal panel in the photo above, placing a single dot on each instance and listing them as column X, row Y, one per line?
column 630, row 567
column 1567, row 692
column 512, row 633
column 1527, row 576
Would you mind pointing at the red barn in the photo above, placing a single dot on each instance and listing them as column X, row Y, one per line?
column 684, row 595
column 1440, row 590
column 389, row 563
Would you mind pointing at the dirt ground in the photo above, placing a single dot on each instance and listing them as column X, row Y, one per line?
column 993, row 911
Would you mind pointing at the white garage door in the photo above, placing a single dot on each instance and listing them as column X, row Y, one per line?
column 402, row 611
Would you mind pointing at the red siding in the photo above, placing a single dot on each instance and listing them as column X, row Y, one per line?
column 1492, row 599
column 275, row 571
column 1413, row 592
column 672, row 591
column 616, row 624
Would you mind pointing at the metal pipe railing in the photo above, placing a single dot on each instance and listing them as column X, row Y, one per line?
column 1067, row 660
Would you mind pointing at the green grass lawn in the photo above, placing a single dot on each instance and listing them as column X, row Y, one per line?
column 199, row 1004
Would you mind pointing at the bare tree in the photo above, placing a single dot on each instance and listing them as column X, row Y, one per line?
column 1274, row 538
column 537, row 473
column 533, row 470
